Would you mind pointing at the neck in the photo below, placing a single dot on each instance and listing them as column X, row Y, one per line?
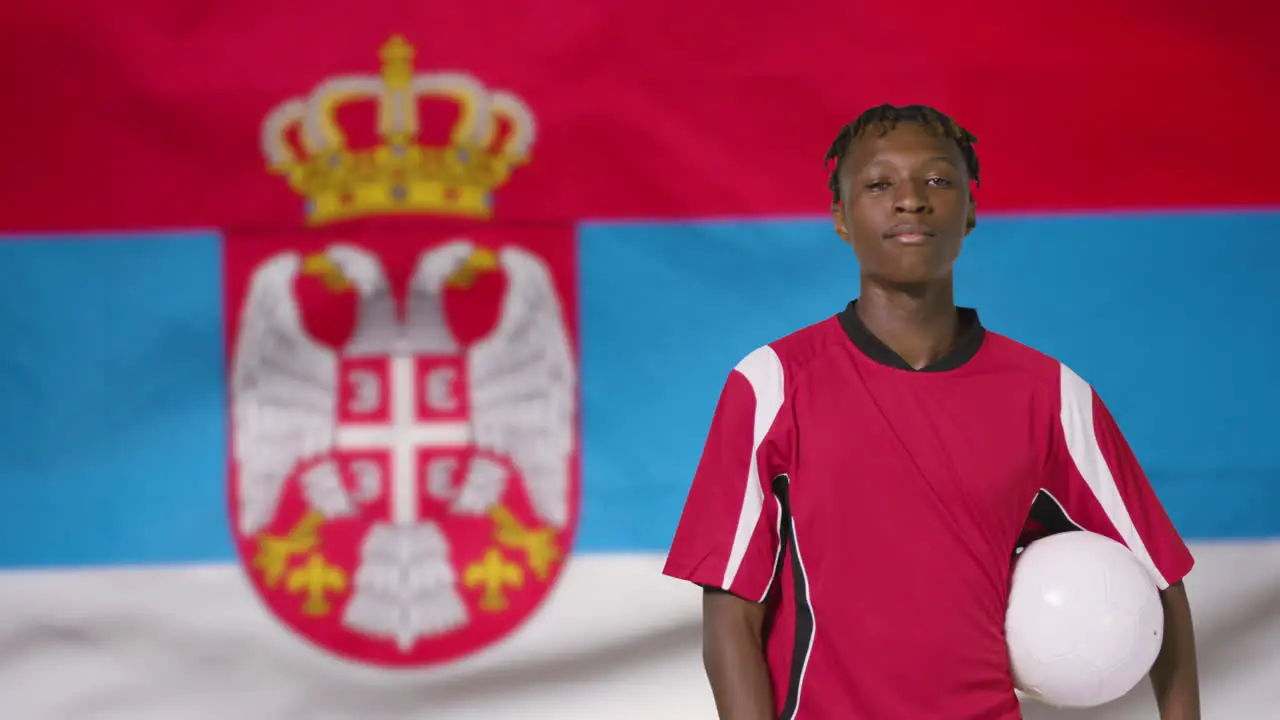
column 918, row 322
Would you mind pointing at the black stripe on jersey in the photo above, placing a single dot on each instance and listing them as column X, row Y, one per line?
column 804, row 612
column 1047, row 511
column 1050, row 516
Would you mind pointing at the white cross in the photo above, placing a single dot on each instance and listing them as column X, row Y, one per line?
column 403, row 437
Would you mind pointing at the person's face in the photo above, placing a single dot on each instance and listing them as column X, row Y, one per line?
column 906, row 204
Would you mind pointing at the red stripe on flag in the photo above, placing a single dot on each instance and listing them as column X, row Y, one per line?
column 149, row 114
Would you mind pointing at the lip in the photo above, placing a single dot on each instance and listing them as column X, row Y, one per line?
column 909, row 234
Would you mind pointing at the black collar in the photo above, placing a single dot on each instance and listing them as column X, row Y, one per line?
column 967, row 345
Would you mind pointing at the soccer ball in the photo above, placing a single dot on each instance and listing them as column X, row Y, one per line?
column 1084, row 622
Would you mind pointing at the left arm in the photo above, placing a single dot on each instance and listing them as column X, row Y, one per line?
column 1174, row 676
column 1104, row 489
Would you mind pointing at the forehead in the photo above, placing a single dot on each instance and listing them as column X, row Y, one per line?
column 904, row 143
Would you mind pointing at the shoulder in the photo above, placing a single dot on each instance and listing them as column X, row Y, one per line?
column 1030, row 365
column 774, row 366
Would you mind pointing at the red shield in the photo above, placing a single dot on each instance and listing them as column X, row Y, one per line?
column 404, row 482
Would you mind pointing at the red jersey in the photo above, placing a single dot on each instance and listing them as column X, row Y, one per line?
column 876, row 509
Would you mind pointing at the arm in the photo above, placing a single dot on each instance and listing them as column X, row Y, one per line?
column 733, row 654
column 1174, row 675
column 727, row 540
column 1104, row 489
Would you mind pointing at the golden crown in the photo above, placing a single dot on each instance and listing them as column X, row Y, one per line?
column 402, row 173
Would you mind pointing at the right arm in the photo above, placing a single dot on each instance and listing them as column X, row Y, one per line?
column 727, row 540
column 733, row 654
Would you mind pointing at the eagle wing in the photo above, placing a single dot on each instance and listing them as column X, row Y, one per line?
column 523, row 386
column 283, row 389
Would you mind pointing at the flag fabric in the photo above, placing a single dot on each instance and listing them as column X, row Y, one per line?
column 357, row 363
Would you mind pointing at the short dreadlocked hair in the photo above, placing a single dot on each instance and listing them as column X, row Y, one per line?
column 883, row 119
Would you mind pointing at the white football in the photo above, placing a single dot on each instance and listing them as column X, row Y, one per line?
column 1084, row 623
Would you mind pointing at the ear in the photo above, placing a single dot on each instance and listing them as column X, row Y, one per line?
column 973, row 216
column 838, row 220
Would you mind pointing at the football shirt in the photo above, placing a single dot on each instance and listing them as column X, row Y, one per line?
column 875, row 508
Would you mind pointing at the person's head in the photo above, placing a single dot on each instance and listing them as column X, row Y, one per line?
column 900, row 191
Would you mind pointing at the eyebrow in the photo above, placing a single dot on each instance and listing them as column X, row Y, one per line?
column 933, row 158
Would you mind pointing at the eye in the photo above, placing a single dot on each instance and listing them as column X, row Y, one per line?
column 939, row 182
column 877, row 184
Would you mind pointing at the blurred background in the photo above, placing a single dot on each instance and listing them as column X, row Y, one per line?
column 642, row 183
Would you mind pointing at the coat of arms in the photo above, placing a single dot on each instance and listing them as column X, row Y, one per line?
column 404, row 423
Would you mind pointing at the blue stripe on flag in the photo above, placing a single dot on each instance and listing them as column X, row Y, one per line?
column 1172, row 318
column 112, row 413
column 111, row 401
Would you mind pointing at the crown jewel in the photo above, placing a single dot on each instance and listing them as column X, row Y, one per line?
column 402, row 172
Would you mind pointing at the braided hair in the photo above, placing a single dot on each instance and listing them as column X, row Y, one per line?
column 883, row 119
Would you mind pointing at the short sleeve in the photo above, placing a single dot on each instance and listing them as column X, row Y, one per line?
column 727, row 537
column 1103, row 489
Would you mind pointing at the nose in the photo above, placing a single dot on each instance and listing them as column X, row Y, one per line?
column 911, row 199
